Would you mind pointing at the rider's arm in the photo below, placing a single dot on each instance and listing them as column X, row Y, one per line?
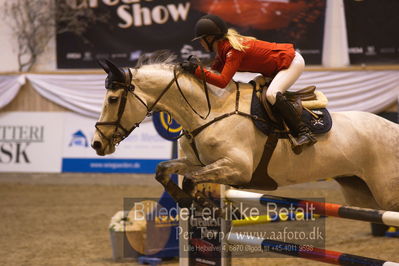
column 233, row 61
column 217, row 65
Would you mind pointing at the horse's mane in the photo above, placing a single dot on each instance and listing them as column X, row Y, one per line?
column 166, row 57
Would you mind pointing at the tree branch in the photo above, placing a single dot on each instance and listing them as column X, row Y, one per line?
column 35, row 23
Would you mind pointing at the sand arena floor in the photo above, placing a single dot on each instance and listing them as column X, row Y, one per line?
column 62, row 219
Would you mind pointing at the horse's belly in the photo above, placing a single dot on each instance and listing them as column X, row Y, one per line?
column 287, row 168
column 329, row 157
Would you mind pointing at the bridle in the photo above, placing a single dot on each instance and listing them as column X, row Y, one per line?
column 127, row 88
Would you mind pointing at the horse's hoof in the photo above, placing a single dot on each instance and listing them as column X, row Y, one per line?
column 163, row 179
column 188, row 185
column 203, row 201
column 185, row 203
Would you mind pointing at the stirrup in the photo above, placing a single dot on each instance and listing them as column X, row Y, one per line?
column 298, row 147
column 307, row 139
column 295, row 147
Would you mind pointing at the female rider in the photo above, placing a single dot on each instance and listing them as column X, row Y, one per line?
column 235, row 52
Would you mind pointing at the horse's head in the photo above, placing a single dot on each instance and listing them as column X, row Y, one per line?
column 121, row 113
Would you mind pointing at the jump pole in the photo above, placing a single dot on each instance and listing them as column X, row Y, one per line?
column 268, row 245
column 300, row 251
column 264, row 219
column 389, row 218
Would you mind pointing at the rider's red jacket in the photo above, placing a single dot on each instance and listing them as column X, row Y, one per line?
column 262, row 57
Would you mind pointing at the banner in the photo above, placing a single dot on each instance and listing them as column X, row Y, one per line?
column 60, row 142
column 30, row 142
column 166, row 126
column 138, row 153
column 373, row 34
column 135, row 27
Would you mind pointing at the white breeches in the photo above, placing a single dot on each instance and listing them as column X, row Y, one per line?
column 285, row 78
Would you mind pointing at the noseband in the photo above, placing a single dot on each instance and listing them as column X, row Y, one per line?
column 128, row 87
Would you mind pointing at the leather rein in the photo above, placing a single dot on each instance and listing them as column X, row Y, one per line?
column 127, row 88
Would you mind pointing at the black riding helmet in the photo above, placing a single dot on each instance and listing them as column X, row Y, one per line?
column 210, row 25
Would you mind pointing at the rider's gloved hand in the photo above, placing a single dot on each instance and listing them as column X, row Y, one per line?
column 189, row 66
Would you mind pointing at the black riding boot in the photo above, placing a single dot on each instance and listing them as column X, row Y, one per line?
column 293, row 121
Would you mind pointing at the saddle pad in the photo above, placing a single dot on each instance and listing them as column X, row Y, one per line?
column 319, row 125
column 320, row 102
column 258, row 110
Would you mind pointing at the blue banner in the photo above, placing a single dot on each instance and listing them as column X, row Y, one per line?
column 92, row 165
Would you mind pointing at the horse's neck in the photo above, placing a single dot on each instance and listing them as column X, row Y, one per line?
column 153, row 81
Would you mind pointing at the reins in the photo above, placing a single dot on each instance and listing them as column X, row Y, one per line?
column 205, row 89
column 236, row 111
column 128, row 87
column 191, row 135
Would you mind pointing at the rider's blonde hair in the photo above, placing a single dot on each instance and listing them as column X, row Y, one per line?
column 237, row 40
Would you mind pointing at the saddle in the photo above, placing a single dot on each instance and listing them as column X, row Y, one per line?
column 310, row 105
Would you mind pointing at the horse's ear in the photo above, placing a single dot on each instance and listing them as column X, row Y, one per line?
column 103, row 64
column 110, row 68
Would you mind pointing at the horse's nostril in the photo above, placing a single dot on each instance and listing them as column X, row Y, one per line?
column 96, row 145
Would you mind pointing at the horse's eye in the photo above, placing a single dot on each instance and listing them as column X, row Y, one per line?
column 113, row 99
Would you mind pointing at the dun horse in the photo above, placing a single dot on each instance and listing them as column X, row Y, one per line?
column 361, row 151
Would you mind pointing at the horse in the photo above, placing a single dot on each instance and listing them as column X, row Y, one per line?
column 361, row 151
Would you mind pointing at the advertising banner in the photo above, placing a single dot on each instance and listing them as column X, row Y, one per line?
column 133, row 28
column 138, row 153
column 166, row 126
column 60, row 142
column 373, row 33
column 30, row 142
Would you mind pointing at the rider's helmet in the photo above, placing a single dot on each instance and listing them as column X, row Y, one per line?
column 210, row 25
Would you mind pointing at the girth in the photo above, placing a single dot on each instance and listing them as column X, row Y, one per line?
column 191, row 135
column 236, row 111
column 260, row 178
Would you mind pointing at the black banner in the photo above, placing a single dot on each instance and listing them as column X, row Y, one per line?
column 373, row 31
column 136, row 27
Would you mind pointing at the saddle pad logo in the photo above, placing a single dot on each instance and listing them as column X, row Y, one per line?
column 317, row 122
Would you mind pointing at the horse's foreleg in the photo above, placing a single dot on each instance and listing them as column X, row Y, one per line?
column 223, row 171
column 186, row 196
column 163, row 176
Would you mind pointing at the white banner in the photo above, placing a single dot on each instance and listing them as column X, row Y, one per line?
column 139, row 153
column 60, row 142
column 30, row 142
